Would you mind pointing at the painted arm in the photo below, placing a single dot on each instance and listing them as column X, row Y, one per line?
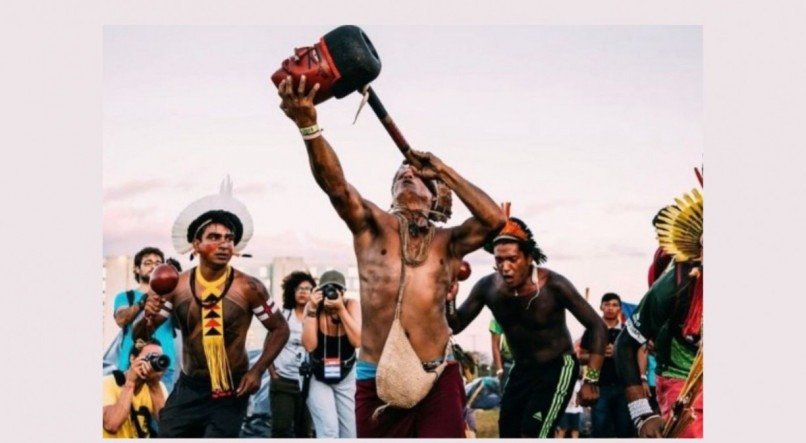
column 643, row 363
column 594, row 326
column 627, row 365
column 325, row 165
column 645, row 420
column 584, row 313
column 470, row 308
column 583, row 354
column 277, row 337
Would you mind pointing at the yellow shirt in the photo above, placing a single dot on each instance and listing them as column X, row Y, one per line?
column 142, row 399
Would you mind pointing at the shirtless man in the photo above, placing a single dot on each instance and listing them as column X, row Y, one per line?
column 432, row 254
column 213, row 389
column 530, row 303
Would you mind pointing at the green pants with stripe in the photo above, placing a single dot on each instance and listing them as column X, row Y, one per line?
column 536, row 396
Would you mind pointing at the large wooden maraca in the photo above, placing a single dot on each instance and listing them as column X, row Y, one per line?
column 164, row 279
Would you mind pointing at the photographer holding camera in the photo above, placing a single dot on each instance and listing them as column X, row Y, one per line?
column 290, row 417
column 331, row 333
column 132, row 398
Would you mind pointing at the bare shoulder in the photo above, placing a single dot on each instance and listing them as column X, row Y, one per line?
column 487, row 285
column 377, row 220
column 556, row 281
column 488, row 280
column 182, row 290
column 379, row 216
column 254, row 290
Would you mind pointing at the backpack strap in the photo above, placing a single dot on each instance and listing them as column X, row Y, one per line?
column 130, row 299
column 120, row 377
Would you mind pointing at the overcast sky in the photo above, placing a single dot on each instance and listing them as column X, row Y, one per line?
column 587, row 130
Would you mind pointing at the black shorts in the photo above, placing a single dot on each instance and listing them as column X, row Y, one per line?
column 535, row 397
column 190, row 411
column 569, row 421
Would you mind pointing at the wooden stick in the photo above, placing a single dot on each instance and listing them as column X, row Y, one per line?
column 391, row 127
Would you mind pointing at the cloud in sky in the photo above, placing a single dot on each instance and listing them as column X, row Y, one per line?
column 618, row 250
column 541, row 208
column 133, row 188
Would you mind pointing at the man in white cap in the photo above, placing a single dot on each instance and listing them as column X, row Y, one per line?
column 213, row 304
column 406, row 266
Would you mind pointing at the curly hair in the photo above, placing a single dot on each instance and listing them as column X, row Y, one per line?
column 289, row 285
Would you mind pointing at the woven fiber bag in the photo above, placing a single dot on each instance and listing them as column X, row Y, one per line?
column 401, row 379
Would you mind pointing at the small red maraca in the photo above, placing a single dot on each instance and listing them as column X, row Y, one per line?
column 163, row 279
column 464, row 271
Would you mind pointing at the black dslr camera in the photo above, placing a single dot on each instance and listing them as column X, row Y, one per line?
column 305, row 369
column 159, row 362
column 330, row 291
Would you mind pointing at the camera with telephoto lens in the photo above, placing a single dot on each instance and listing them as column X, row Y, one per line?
column 330, row 291
column 159, row 362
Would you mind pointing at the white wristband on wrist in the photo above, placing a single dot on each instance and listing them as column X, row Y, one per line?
column 310, row 132
column 639, row 408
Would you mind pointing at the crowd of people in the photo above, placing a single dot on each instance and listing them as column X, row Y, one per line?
column 385, row 367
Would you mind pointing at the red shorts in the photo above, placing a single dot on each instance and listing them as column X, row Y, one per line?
column 438, row 415
column 667, row 390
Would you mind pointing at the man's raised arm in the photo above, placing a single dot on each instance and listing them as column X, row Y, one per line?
column 325, row 165
column 487, row 216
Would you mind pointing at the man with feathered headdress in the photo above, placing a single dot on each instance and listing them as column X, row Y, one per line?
column 529, row 302
column 670, row 314
column 213, row 304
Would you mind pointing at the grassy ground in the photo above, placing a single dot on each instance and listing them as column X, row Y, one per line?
column 487, row 423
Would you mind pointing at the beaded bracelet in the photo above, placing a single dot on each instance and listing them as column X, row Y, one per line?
column 591, row 375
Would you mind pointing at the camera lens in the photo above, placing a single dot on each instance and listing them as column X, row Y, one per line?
column 331, row 292
column 159, row 362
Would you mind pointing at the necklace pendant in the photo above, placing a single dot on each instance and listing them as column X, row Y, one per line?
column 414, row 230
